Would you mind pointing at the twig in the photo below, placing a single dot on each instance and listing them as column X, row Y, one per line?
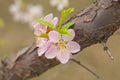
column 79, row 63
column 106, row 49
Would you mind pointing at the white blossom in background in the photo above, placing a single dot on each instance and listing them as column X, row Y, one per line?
column 26, row 15
column 60, row 4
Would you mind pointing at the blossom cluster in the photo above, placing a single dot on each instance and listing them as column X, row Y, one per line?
column 52, row 43
column 26, row 13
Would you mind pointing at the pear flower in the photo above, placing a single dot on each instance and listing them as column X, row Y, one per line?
column 61, row 47
column 59, row 3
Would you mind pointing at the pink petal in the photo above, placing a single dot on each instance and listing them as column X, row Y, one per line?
column 39, row 29
column 73, row 46
column 64, row 57
column 40, row 52
column 40, row 42
column 55, row 21
column 49, row 17
column 54, row 36
column 71, row 37
column 52, row 52
column 43, row 49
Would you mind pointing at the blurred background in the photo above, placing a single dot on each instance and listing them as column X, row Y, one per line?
column 16, row 32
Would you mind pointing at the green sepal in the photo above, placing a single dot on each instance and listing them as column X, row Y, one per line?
column 44, row 35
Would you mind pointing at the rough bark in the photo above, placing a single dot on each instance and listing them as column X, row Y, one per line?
column 92, row 25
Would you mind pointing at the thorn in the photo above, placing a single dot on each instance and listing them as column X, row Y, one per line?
column 86, row 68
column 106, row 49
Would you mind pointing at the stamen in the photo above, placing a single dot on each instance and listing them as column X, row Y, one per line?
column 61, row 46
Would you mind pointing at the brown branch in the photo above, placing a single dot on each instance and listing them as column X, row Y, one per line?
column 92, row 25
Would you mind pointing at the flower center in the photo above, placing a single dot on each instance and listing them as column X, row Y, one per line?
column 61, row 46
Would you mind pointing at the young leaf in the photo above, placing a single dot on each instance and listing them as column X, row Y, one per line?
column 67, row 25
column 65, row 14
column 45, row 23
column 64, row 32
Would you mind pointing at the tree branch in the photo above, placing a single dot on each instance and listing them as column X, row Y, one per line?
column 92, row 25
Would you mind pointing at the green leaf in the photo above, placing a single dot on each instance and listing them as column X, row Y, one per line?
column 45, row 23
column 67, row 25
column 65, row 14
column 64, row 32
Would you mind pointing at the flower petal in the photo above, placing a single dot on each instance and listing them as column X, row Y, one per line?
column 49, row 17
column 64, row 57
column 51, row 52
column 55, row 21
column 43, row 49
column 73, row 46
column 40, row 52
column 40, row 42
column 54, row 36
column 71, row 37
column 39, row 29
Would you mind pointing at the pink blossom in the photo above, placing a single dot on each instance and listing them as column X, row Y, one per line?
column 55, row 45
column 51, row 19
column 42, row 43
column 39, row 29
column 61, row 47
